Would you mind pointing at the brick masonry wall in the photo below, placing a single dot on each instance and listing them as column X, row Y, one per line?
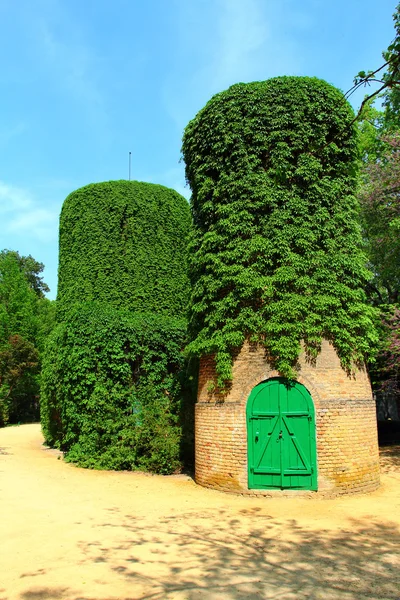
column 347, row 442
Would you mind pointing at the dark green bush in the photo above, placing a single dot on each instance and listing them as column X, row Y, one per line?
column 115, row 393
column 113, row 389
column 276, row 250
column 124, row 243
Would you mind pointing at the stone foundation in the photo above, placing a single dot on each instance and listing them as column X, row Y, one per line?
column 347, row 441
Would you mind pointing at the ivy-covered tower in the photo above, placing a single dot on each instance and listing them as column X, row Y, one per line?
column 112, row 385
column 124, row 243
column 278, row 312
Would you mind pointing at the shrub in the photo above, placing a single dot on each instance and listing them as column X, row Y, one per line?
column 113, row 389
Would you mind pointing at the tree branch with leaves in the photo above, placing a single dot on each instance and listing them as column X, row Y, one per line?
column 387, row 76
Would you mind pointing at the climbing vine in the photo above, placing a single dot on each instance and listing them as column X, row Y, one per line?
column 124, row 243
column 114, row 378
column 275, row 254
column 114, row 387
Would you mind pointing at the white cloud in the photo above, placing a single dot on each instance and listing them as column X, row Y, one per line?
column 73, row 66
column 230, row 41
column 22, row 215
column 13, row 198
column 7, row 134
column 242, row 31
column 38, row 222
column 66, row 59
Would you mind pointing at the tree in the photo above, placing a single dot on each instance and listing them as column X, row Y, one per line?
column 380, row 202
column 19, row 365
column 392, row 78
column 388, row 365
column 18, row 301
column 31, row 270
column 370, row 128
column 379, row 196
column 26, row 318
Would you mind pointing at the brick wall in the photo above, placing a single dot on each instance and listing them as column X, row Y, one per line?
column 347, row 443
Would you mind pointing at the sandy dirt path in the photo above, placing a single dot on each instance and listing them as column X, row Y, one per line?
column 72, row 534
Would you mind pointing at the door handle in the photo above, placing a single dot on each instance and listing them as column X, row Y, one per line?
column 280, row 436
column 256, row 438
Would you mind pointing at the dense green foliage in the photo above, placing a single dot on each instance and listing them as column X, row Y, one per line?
column 19, row 391
column 380, row 220
column 113, row 389
column 124, row 243
column 380, row 202
column 392, row 76
column 114, row 376
column 369, row 124
column 32, row 271
column 26, row 318
column 17, row 300
column 380, row 208
column 276, row 250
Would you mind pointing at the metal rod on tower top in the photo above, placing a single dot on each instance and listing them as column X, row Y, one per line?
column 130, row 153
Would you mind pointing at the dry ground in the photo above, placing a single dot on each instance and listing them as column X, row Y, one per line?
column 71, row 534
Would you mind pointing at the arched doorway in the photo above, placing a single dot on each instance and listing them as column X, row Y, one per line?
column 281, row 436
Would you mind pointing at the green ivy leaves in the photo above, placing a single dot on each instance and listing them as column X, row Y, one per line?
column 113, row 380
column 124, row 243
column 275, row 253
column 112, row 389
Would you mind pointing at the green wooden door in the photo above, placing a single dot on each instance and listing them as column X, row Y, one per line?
column 281, row 436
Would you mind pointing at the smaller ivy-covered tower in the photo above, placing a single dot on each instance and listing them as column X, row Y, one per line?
column 278, row 316
column 124, row 243
column 112, row 385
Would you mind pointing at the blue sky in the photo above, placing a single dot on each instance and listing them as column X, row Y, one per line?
column 83, row 82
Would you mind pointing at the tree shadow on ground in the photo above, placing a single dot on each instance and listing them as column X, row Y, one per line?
column 234, row 554
column 254, row 556
column 249, row 556
column 390, row 459
column 62, row 593
column 46, row 593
